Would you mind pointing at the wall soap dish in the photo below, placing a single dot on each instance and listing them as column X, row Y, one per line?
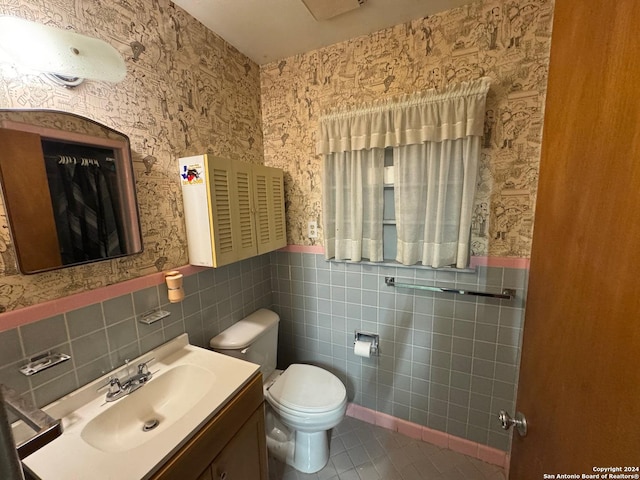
column 153, row 316
column 42, row 362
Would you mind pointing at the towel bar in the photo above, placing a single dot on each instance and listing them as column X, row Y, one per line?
column 507, row 293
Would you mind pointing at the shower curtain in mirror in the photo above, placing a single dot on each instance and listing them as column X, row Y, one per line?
column 436, row 139
column 84, row 209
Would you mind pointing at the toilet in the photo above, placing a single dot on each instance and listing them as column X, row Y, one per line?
column 303, row 403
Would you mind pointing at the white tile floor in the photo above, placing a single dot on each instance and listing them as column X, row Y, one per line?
column 360, row 451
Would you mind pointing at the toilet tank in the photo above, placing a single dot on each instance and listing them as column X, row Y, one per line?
column 254, row 338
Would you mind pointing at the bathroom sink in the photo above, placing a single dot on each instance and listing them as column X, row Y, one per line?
column 138, row 417
column 132, row 437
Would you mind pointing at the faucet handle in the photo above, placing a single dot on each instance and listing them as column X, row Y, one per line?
column 143, row 368
column 114, row 386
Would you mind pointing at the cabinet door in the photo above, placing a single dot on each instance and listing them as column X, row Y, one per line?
column 232, row 431
column 268, row 184
column 206, row 475
column 245, row 456
column 220, row 193
column 243, row 210
column 231, row 197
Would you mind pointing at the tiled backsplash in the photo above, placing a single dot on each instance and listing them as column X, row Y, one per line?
column 446, row 361
column 101, row 336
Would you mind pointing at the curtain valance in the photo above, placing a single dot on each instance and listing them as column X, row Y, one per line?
column 429, row 116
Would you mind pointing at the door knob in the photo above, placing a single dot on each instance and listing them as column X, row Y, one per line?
column 519, row 421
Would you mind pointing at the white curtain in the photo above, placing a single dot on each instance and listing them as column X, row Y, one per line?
column 352, row 204
column 436, row 135
column 434, row 189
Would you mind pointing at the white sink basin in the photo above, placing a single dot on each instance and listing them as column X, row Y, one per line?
column 162, row 402
column 104, row 441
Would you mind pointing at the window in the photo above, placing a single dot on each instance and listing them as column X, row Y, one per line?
column 389, row 229
column 431, row 141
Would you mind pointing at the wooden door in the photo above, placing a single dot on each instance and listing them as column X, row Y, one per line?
column 28, row 202
column 580, row 377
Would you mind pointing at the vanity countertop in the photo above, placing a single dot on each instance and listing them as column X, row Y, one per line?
column 106, row 441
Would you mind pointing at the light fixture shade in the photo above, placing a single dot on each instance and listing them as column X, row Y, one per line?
column 46, row 49
column 326, row 9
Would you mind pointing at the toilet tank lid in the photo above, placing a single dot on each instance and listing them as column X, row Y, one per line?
column 246, row 331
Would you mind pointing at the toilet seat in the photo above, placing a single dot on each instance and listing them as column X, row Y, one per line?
column 307, row 389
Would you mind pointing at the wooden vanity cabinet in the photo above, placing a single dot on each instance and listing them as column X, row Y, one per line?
column 230, row 446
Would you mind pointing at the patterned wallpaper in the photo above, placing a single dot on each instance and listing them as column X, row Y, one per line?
column 186, row 92
column 506, row 40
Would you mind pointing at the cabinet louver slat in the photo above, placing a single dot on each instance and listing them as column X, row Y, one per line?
column 244, row 208
column 263, row 209
column 278, row 208
column 222, row 213
column 244, row 226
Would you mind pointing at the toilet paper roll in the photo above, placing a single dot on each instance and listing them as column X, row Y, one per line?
column 362, row 349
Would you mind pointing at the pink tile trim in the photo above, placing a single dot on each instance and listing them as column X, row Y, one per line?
column 504, row 262
column 33, row 313
column 303, row 249
column 386, row 421
column 492, row 455
column 464, row 446
column 411, row 430
column 435, row 437
column 351, row 410
column 361, row 413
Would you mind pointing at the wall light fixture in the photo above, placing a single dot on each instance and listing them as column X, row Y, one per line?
column 65, row 57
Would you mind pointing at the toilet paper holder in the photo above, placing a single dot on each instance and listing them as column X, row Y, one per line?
column 372, row 338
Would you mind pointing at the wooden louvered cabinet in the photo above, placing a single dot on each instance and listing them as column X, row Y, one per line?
column 268, row 188
column 233, row 210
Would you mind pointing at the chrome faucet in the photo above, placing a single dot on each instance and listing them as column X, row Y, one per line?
column 121, row 388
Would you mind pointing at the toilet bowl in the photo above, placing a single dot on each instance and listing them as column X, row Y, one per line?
column 308, row 401
column 303, row 402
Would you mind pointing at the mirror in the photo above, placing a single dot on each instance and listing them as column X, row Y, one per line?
column 68, row 190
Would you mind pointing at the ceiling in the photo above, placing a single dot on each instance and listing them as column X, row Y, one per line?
column 270, row 30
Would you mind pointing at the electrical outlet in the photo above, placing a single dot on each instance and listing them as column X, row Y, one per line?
column 313, row 229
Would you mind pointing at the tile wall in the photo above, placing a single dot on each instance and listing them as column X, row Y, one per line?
column 447, row 361
column 101, row 336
